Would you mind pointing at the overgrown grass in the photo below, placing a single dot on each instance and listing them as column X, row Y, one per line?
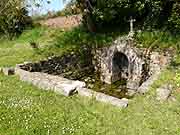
column 50, row 41
column 24, row 109
column 27, row 110
column 158, row 40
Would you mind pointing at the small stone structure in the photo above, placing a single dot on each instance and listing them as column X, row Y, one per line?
column 65, row 86
column 122, row 60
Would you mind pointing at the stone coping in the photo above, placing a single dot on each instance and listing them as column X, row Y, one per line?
column 66, row 87
column 103, row 97
column 50, row 82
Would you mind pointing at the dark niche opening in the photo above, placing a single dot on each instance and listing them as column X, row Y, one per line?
column 120, row 66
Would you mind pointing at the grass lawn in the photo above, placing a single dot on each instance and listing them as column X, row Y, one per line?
column 27, row 110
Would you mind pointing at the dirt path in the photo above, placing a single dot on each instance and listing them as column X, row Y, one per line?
column 63, row 22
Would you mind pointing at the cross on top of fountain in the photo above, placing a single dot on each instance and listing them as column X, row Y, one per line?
column 131, row 33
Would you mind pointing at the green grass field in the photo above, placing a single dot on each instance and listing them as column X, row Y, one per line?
column 27, row 110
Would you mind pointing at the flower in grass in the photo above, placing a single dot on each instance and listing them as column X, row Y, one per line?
column 18, row 103
column 68, row 130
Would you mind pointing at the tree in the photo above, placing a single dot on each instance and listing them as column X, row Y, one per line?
column 148, row 13
column 13, row 17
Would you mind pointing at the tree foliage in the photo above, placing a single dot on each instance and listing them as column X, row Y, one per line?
column 174, row 19
column 13, row 17
column 71, row 8
column 148, row 13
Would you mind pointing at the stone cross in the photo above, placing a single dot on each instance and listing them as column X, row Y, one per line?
column 131, row 24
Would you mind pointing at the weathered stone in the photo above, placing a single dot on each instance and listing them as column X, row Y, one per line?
column 64, row 89
column 86, row 92
column 1, row 70
column 158, row 63
column 27, row 62
column 133, row 85
column 164, row 92
column 147, row 84
column 131, row 93
column 112, row 100
column 8, row 71
column 50, row 82
column 69, row 87
column 103, row 98
column 122, row 60
column 173, row 99
column 45, row 84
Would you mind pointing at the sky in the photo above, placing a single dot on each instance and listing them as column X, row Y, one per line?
column 55, row 5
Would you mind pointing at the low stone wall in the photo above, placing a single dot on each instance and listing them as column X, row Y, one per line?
column 65, row 86
column 139, row 67
column 103, row 97
column 61, row 74
column 158, row 63
column 50, row 82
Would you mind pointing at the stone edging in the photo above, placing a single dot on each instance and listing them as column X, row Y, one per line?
column 65, row 86
column 103, row 97
column 145, row 87
column 49, row 82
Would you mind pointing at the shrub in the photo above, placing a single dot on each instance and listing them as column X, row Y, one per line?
column 13, row 17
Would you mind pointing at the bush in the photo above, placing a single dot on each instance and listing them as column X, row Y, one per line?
column 13, row 18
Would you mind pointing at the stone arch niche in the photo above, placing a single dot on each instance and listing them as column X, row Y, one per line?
column 121, row 60
column 120, row 65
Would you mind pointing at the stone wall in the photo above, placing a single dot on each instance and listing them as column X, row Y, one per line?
column 65, row 86
column 158, row 62
column 133, row 70
column 71, row 66
column 122, row 60
column 45, row 81
column 134, row 64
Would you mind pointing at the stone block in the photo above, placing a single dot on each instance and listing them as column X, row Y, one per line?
column 103, row 97
column 144, row 88
column 1, row 70
column 112, row 100
column 68, row 87
column 8, row 71
column 85, row 92
column 64, row 89
column 164, row 92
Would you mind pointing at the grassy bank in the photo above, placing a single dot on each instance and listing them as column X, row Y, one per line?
column 27, row 110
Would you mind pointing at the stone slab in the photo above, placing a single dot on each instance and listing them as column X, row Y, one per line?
column 144, row 88
column 50, row 82
column 164, row 92
column 123, row 103
column 8, row 71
